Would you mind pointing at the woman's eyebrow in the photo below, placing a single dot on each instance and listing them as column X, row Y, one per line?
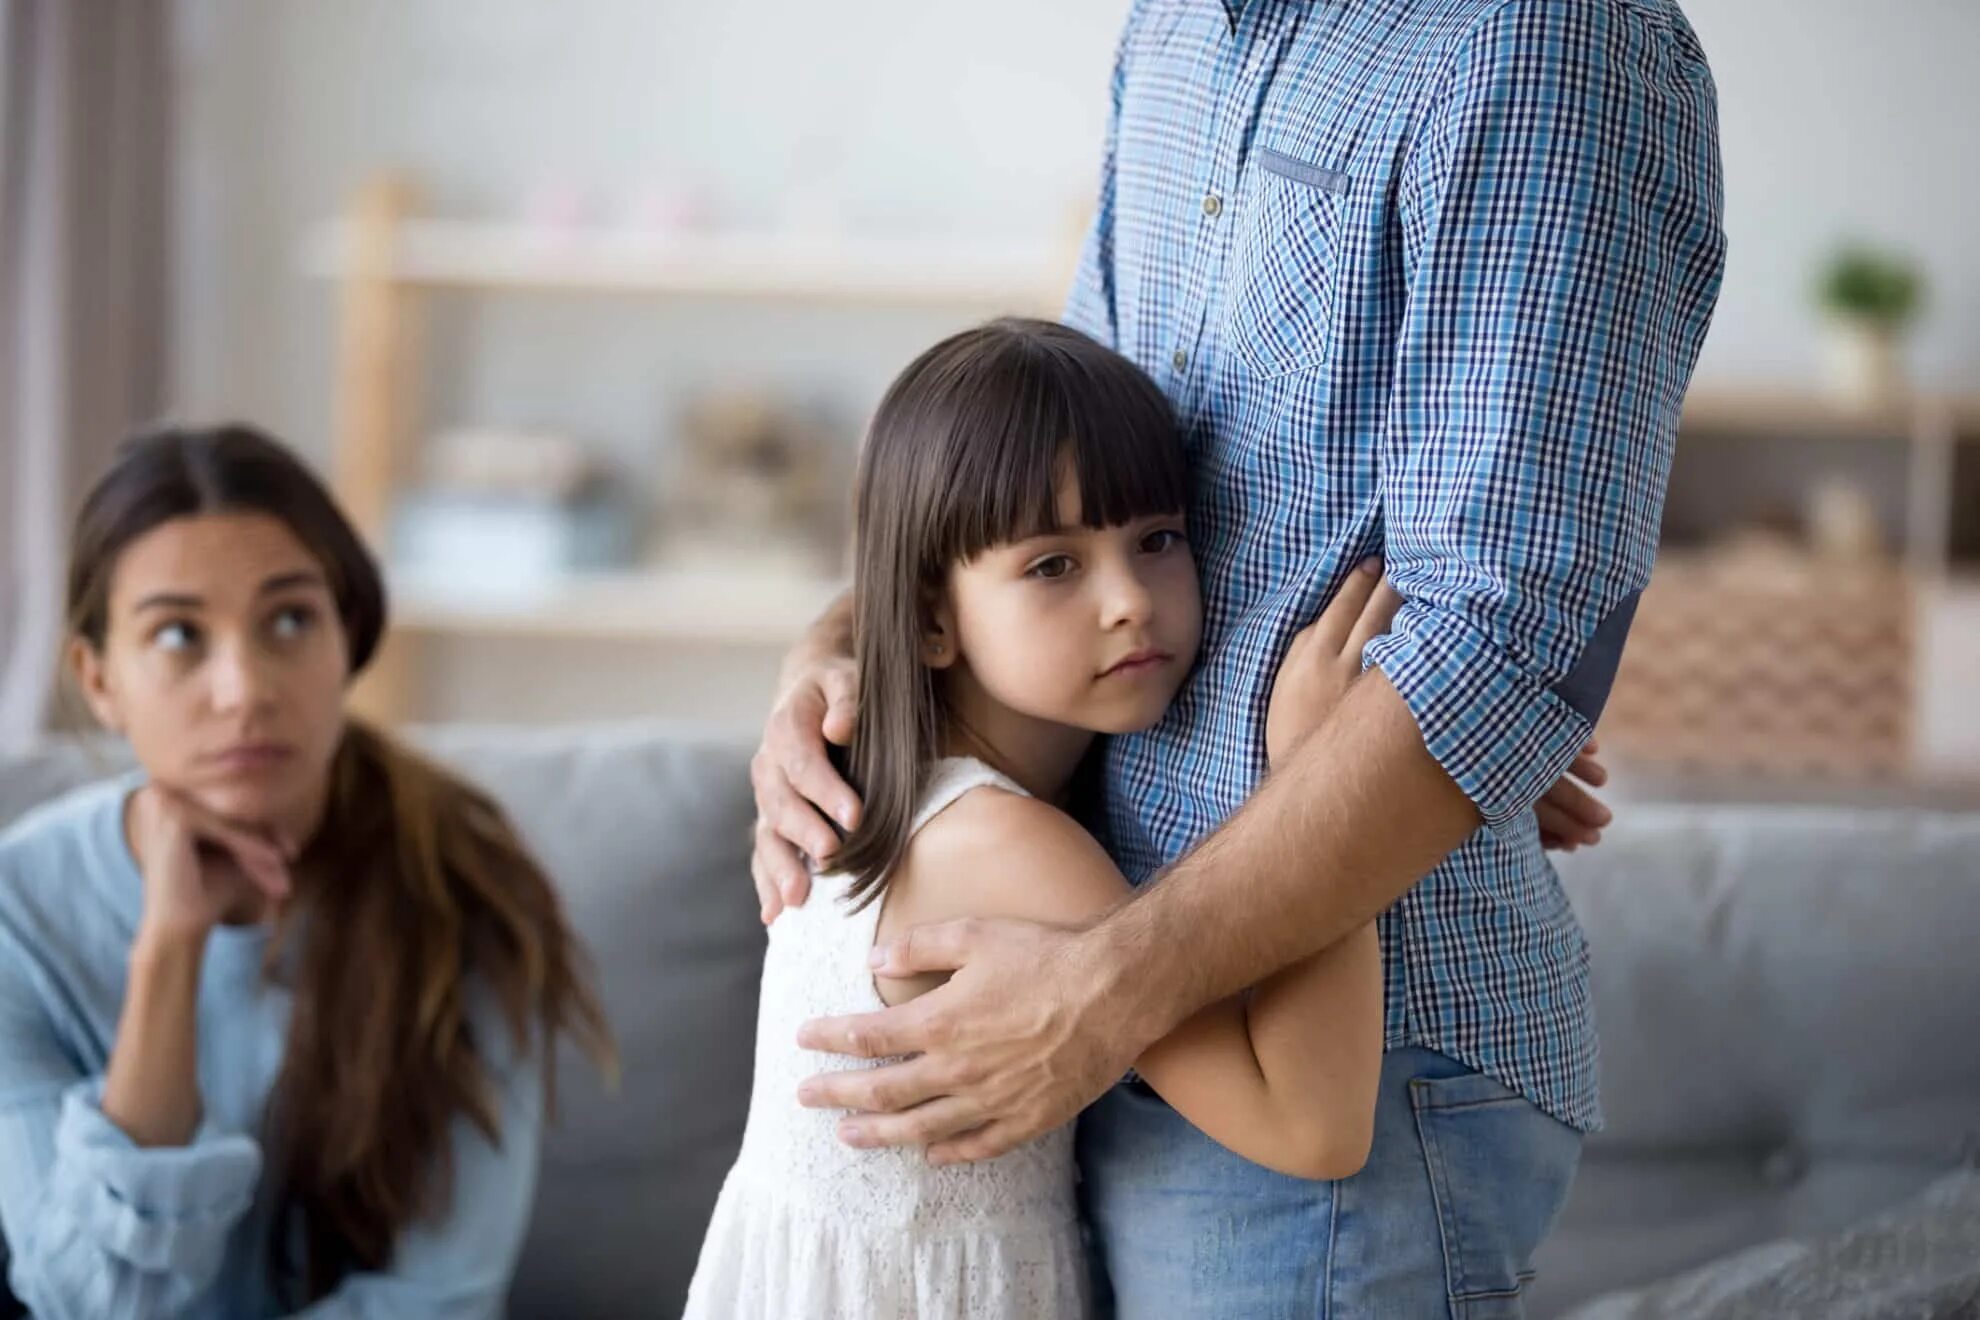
column 169, row 600
column 287, row 581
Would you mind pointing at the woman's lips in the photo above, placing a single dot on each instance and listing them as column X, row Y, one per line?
column 252, row 758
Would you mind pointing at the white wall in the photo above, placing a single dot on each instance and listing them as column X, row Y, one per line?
column 1843, row 118
column 973, row 118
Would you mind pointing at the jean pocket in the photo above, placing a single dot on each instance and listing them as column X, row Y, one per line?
column 1500, row 1169
column 1279, row 315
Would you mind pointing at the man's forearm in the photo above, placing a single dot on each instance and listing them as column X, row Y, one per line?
column 1359, row 814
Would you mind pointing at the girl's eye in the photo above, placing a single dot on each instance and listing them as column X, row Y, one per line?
column 1051, row 567
column 1166, row 538
column 175, row 637
column 293, row 622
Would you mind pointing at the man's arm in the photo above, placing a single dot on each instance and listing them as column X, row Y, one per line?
column 792, row 774
column 1362, row 803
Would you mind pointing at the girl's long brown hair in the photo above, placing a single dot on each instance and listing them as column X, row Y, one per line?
column 418, row 911
column 965, row 453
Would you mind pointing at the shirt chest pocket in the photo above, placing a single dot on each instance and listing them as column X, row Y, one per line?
column 1279, row 302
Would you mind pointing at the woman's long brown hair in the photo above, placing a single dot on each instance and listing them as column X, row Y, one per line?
column 965, row 453
column 420, row 918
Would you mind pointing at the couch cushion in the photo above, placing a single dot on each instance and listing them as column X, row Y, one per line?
column 1787, row 1003
column 646, row 831
column 1921, row 1258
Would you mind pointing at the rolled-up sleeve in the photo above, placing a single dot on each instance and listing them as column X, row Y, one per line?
column 1561, row 219
column 99, row 1226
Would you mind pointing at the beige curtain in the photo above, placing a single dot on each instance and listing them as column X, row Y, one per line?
column 84, row 188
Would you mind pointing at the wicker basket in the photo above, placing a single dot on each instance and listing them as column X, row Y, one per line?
column 1775, row 668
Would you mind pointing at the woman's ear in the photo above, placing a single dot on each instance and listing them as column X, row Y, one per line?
column 938, row 635
column 93, row 681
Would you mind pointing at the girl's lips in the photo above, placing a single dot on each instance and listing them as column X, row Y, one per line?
column 1140, row 662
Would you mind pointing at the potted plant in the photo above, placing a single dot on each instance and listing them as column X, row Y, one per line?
column 1869, row 297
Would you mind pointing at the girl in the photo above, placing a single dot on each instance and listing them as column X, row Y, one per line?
column 276, row 1012
column 1022, row 583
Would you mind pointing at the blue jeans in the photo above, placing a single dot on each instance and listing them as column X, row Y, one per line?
column 1464, row 1182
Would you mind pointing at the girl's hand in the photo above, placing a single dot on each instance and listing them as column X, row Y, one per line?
column 1570, row 816
column 1325, row 658
column 199, row 868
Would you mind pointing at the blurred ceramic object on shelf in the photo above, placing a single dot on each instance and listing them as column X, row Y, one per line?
column 487, row 547
column 505, row 510
column 1862, row 364
column 1869, row 297
column 758, row 480
column 501, row 461
column 672, row 209
column 559, row 207
column 1842, row 523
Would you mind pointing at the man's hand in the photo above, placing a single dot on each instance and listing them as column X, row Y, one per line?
column 794, row 779
column 1571, row 816
column 993, row 1069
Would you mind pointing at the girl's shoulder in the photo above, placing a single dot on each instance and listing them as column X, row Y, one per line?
column 996, row 851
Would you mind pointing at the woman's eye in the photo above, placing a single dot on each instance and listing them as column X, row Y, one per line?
column 175, row 637
column 1051, row 567
column 1165, row 539
column 293, row 622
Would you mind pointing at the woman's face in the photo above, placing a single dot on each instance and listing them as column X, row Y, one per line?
column 224, row 664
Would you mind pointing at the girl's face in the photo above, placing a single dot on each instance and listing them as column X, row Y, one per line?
column 224, row 664
column 1092, row 629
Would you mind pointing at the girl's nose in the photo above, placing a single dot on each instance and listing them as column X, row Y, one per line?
column 1128, row 601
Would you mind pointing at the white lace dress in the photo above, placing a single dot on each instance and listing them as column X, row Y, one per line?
column 808, row 1228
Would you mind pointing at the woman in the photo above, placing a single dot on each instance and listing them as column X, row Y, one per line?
column 277, row 1011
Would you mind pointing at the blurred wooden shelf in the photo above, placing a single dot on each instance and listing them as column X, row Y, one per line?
column 444, row 254
column 1778, row 409
column 389, row 262
column 644, row 605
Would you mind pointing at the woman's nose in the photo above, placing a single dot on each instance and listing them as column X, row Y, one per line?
column 240, row 679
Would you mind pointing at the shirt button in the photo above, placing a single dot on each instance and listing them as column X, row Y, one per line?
column 1213, row 206
column 1180, row 360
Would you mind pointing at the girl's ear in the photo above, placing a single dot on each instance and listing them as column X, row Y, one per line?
column 93, row 681
column 938, row 635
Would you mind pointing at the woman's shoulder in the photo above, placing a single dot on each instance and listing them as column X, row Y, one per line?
column 53, row 858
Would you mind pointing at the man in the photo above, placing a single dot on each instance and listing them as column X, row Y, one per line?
column 1426, row 280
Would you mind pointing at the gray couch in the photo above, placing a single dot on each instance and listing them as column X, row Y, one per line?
column 1788, row 1002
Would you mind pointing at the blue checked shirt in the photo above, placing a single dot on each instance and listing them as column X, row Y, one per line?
column 1425, row 280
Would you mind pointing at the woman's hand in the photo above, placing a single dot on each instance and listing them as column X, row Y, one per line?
column 199, row 869
column 1325, row 659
